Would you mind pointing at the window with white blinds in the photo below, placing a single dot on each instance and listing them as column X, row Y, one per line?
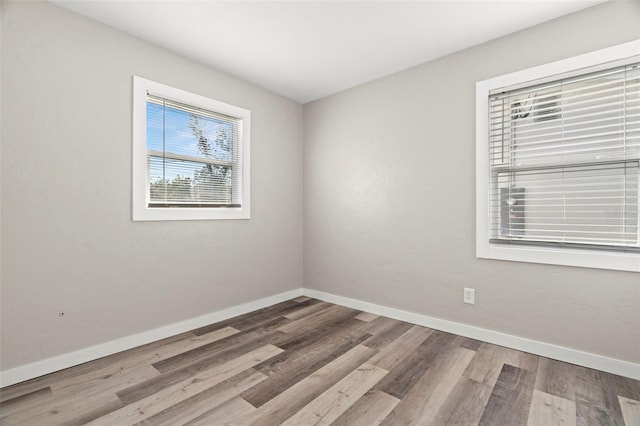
column 190, row 155
column 558, row 162
column 565, row 160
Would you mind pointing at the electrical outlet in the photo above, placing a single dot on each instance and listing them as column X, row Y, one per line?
column 470, row 295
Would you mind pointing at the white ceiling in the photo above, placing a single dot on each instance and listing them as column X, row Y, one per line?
column 306, row 50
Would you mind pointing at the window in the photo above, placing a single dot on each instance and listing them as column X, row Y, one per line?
column 190, row 155
column 558, row 162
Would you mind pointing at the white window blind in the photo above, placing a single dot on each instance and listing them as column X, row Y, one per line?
column 193, row 156
column 564, row 161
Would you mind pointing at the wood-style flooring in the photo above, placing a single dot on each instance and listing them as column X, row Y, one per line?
column 306, row 362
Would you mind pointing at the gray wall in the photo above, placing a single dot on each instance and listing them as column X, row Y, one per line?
column 389, row 199
column 68, row 242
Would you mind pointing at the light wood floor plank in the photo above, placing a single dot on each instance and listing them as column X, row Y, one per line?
column 59, row 411
column 384, row 331
column 26, row 402
column 547, row 409
column 307, row 310
column 111, row 382
column 185, row 345
column 338, row 398
column 225, row 414
column 366, row 316
column 371, row 409
column 82, row 417
column 630, row 411
column 485, row 366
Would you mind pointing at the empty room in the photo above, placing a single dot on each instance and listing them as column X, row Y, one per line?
column 320, row 212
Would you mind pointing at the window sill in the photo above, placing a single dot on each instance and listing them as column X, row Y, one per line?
column 143, row 213
column 618, row 261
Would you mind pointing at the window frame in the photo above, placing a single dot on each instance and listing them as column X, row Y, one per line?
column 140, row 177
column 589, row 258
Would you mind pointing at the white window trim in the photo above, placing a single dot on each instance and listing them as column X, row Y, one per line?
column 623, row 261
column 140, row 181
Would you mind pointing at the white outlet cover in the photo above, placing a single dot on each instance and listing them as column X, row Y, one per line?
column 470, row 296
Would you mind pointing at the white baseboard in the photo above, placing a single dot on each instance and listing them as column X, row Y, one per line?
column 49, row 365
column 560, row 353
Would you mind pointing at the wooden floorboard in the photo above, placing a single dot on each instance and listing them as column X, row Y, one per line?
column 511, row 397
column 307, row 362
